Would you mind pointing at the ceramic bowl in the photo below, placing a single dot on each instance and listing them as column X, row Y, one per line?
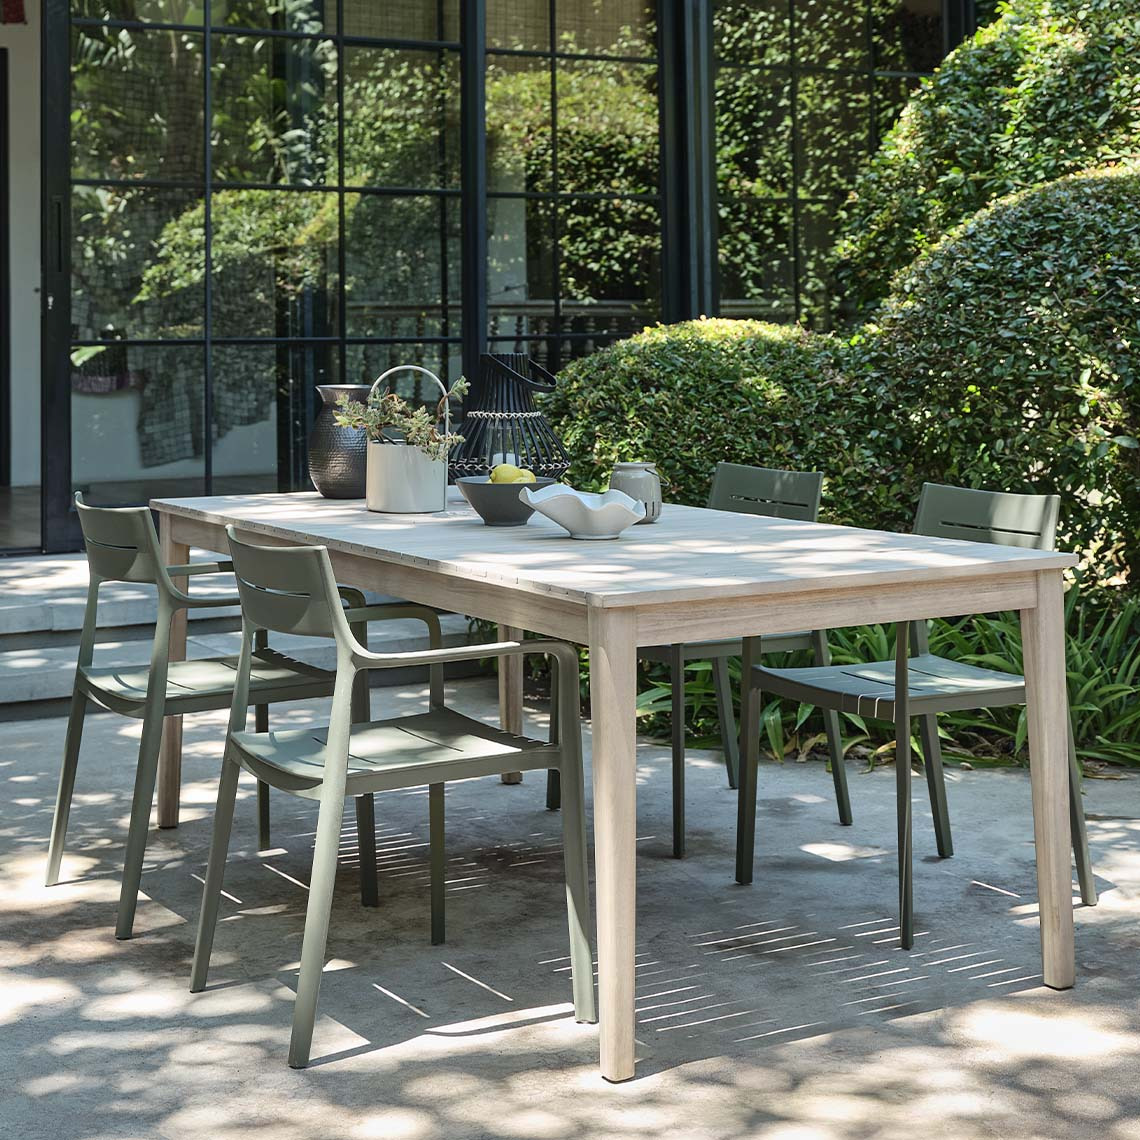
column 498, row 504
column 585, row 515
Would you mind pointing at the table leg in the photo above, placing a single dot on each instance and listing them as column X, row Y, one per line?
column 170, row 756
column 1043, row 637
column 613, row 698
column 511, row 693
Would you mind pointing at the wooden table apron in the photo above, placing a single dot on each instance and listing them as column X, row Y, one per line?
column 613, row 631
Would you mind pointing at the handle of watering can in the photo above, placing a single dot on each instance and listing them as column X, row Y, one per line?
column 427, row 372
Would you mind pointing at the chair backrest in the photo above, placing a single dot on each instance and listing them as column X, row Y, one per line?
column 766, row 491
column 121, row 542
column 988, row 516
column 287, row 589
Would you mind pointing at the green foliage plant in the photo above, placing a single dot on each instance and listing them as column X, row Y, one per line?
column 388, row 416
column 1052, row 87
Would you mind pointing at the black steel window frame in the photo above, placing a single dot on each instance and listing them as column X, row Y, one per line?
column 686, row 197
column 958, row 21
column 560, row 336
column 59, row 23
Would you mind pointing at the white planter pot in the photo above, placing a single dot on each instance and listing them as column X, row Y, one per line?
column 402, row 480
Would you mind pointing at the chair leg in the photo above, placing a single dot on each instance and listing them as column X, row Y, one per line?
column 578, row 894
column 321, row 886
column 729, row 733
column 750, row 700
column 553, row 776
column 1077, row 827
column 264, row 838
column 902, row 790
column 902, row 786
column 936, row 784
column 66, row 786
column 822, row 653
column 366, row 845
column 677, row 684
column 215, row 871
column 436, row 844
column 140, row 820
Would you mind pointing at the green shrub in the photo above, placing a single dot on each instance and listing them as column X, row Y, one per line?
column 687, row 396
column 1012, row 348
column 1051, row 88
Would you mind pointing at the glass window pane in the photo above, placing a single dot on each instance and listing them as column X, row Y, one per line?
column 136, row 104
column 752, row 31
column 890, row 97
column 274, row 113
column 519, row 140
column 608, row 130
column 518, row 24
column 817, row 236
column 287, row 15
column 613, row 27
column 138, row 424
column 520, row 267
column 907, row 35
column 402, row 19
column 398, row 253
column 367, row 362
column 253, row 388
column 610, row 262
column 756, row 266
column 401, row 125
column 834, row 132
column 137, row 263
column 832, row 34
column 150, row 11
column 753, row 133
column 274, row 267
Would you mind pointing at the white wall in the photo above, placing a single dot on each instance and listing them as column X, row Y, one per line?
column 23, row 43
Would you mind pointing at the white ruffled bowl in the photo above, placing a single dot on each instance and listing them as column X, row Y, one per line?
column 586, row 516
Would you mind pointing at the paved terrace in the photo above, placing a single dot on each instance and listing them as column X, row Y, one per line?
column 784, row 1010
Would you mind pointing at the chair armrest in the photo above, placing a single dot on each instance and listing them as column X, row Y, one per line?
column 223, row 567
column 183, row 600
column 398, row 611
column 566, row 654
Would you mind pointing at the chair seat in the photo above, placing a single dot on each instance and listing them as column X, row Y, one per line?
column 729, row 647
column 935, row 684
column 208, row 683
column 428, row 748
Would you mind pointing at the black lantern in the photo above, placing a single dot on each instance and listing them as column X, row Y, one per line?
column 502, row 424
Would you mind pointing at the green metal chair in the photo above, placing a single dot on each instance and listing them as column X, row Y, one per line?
column 292, row 590
column 775, row 494
column 122, row 546
column 921, row 685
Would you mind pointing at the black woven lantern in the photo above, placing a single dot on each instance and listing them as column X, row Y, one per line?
column 502, row 424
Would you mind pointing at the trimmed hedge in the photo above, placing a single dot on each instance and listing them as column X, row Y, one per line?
column 687, row 396
column 1013, row 347
column 1051, row 88
column 1006, row 358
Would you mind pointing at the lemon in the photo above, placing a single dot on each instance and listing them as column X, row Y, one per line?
column 525, row 475
column 505, row 473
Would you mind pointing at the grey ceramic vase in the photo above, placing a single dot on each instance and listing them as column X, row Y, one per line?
column 337, row 455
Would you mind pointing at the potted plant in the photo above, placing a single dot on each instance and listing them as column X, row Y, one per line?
column 407, row 451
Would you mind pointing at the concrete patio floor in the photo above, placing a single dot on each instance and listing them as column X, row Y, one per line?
column 784, row 1009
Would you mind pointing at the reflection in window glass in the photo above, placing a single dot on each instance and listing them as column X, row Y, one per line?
column 274, row 102
column 401, row 118
column 800, row 106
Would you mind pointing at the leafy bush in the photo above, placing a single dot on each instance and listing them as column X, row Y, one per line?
column 1012, row 348
column 687, row 396
column 1051, row 88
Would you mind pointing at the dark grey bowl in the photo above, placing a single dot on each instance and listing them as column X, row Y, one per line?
column 498, row 504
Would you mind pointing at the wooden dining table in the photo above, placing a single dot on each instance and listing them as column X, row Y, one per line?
column 695, row 574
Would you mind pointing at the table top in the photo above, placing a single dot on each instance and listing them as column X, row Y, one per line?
column 691, row 553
